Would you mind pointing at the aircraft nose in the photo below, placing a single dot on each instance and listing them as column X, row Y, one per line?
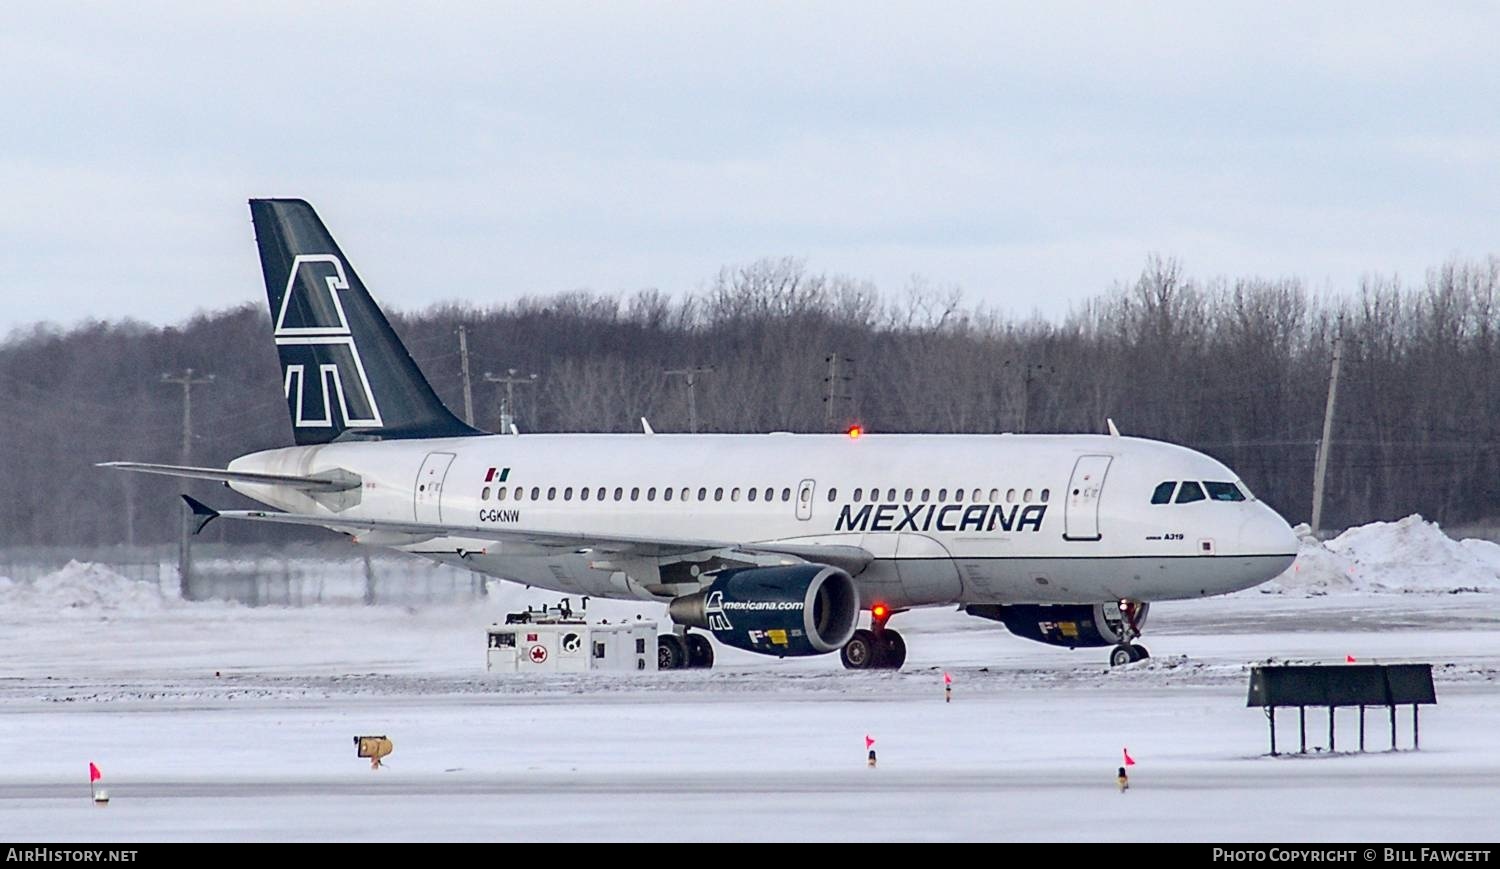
column 1266, row 533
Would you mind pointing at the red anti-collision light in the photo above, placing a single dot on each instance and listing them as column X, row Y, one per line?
column 855, row 431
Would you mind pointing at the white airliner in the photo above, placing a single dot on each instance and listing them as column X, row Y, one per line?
column 774, row 543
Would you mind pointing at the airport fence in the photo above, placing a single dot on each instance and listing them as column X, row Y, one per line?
column 263, row 575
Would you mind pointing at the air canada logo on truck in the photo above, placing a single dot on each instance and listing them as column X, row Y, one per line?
column 941, row 517
column 322, row 372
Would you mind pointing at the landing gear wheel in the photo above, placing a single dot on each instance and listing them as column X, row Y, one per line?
column 1140, row 652
column 862, row 652
column 700, row 652
column 671, row 653
column 1123, row 654
column 893, row 652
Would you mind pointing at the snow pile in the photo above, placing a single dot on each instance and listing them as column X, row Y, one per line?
column 1411, row 555
column 1318, row 570
column 82, row 587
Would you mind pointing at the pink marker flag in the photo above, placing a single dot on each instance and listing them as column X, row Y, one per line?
column 1349, row 659
column 94, row 773
column 947, row 680
column 869, row 740
column 1129, row 761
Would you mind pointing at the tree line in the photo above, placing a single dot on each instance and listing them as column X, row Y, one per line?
column 1238, row 368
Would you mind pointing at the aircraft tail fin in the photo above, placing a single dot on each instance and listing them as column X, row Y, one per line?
column 343, row 369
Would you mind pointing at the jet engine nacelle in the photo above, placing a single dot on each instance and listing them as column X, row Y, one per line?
column 1071, row 625
column 802, row 609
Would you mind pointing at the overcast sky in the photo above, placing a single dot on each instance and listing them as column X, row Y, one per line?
column 1032, row 154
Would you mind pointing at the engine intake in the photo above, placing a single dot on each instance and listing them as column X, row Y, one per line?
column 802, row 609
column 1071, row 625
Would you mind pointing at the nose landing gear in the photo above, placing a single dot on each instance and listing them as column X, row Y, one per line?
column 1128, row 651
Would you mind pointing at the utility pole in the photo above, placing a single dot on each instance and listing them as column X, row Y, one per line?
column 510, row 379
column 690, row 377
column 463, row 355
column 1028, row 374
column 1320, row 471
column 835, row 381
column 184, row 544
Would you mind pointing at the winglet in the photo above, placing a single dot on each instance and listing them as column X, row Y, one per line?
column 646, row 427
column 1113, row 432
column 202, row 513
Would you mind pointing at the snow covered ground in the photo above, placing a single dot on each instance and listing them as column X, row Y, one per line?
column 216, row 721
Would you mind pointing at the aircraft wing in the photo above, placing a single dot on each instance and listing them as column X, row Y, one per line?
column 850, row 558
column 329, row 481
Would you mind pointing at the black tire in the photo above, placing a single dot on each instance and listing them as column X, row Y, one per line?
column 671, row 654
column 893, row 653
column 862, row 652
column 700, row 652
column 1140, row 652
column 1119, row 656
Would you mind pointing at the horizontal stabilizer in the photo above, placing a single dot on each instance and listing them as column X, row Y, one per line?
column 328, row 481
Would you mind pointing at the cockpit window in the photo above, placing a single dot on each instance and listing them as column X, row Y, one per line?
column 1189, row 493
column 1224, row 491
column 1163, row 493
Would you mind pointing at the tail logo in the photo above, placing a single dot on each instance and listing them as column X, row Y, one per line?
column 317, row 344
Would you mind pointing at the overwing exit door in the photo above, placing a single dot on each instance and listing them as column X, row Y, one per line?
column 805, row 499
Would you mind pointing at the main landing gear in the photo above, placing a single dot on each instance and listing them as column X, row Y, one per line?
column 1128, row 651
column 687, row 651
column 875, row 648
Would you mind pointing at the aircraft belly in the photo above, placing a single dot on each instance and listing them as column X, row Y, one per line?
column 1092, row 580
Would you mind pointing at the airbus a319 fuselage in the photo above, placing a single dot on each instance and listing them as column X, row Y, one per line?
column 769, row 542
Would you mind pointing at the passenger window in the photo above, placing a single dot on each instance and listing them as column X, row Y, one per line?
column 995, row 496
column 1163, row 493
column 666, row 494
column 1027, row 496
column 651, row 494
column 1046, row 494
column 702, row 494
column 833, row 494
column 536, row 493
column 751, row 493
column 977, row 496
column 583, row 494
column 719, row 494
column 857, row 494
column 568, row 494
column 484, row 494
column 635, row 493
column 600, row 496
column 890, row 494
column 520, row 493
column 500, row 494
column 1010, row 496
column 1224, row 492
column 770, row 494
column 786, row 494
column 619, row 494
column 908, row 494
column 734, row 494
column 958, row 496
column 926, row 494
column 942, row 495
column 1189, row 493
